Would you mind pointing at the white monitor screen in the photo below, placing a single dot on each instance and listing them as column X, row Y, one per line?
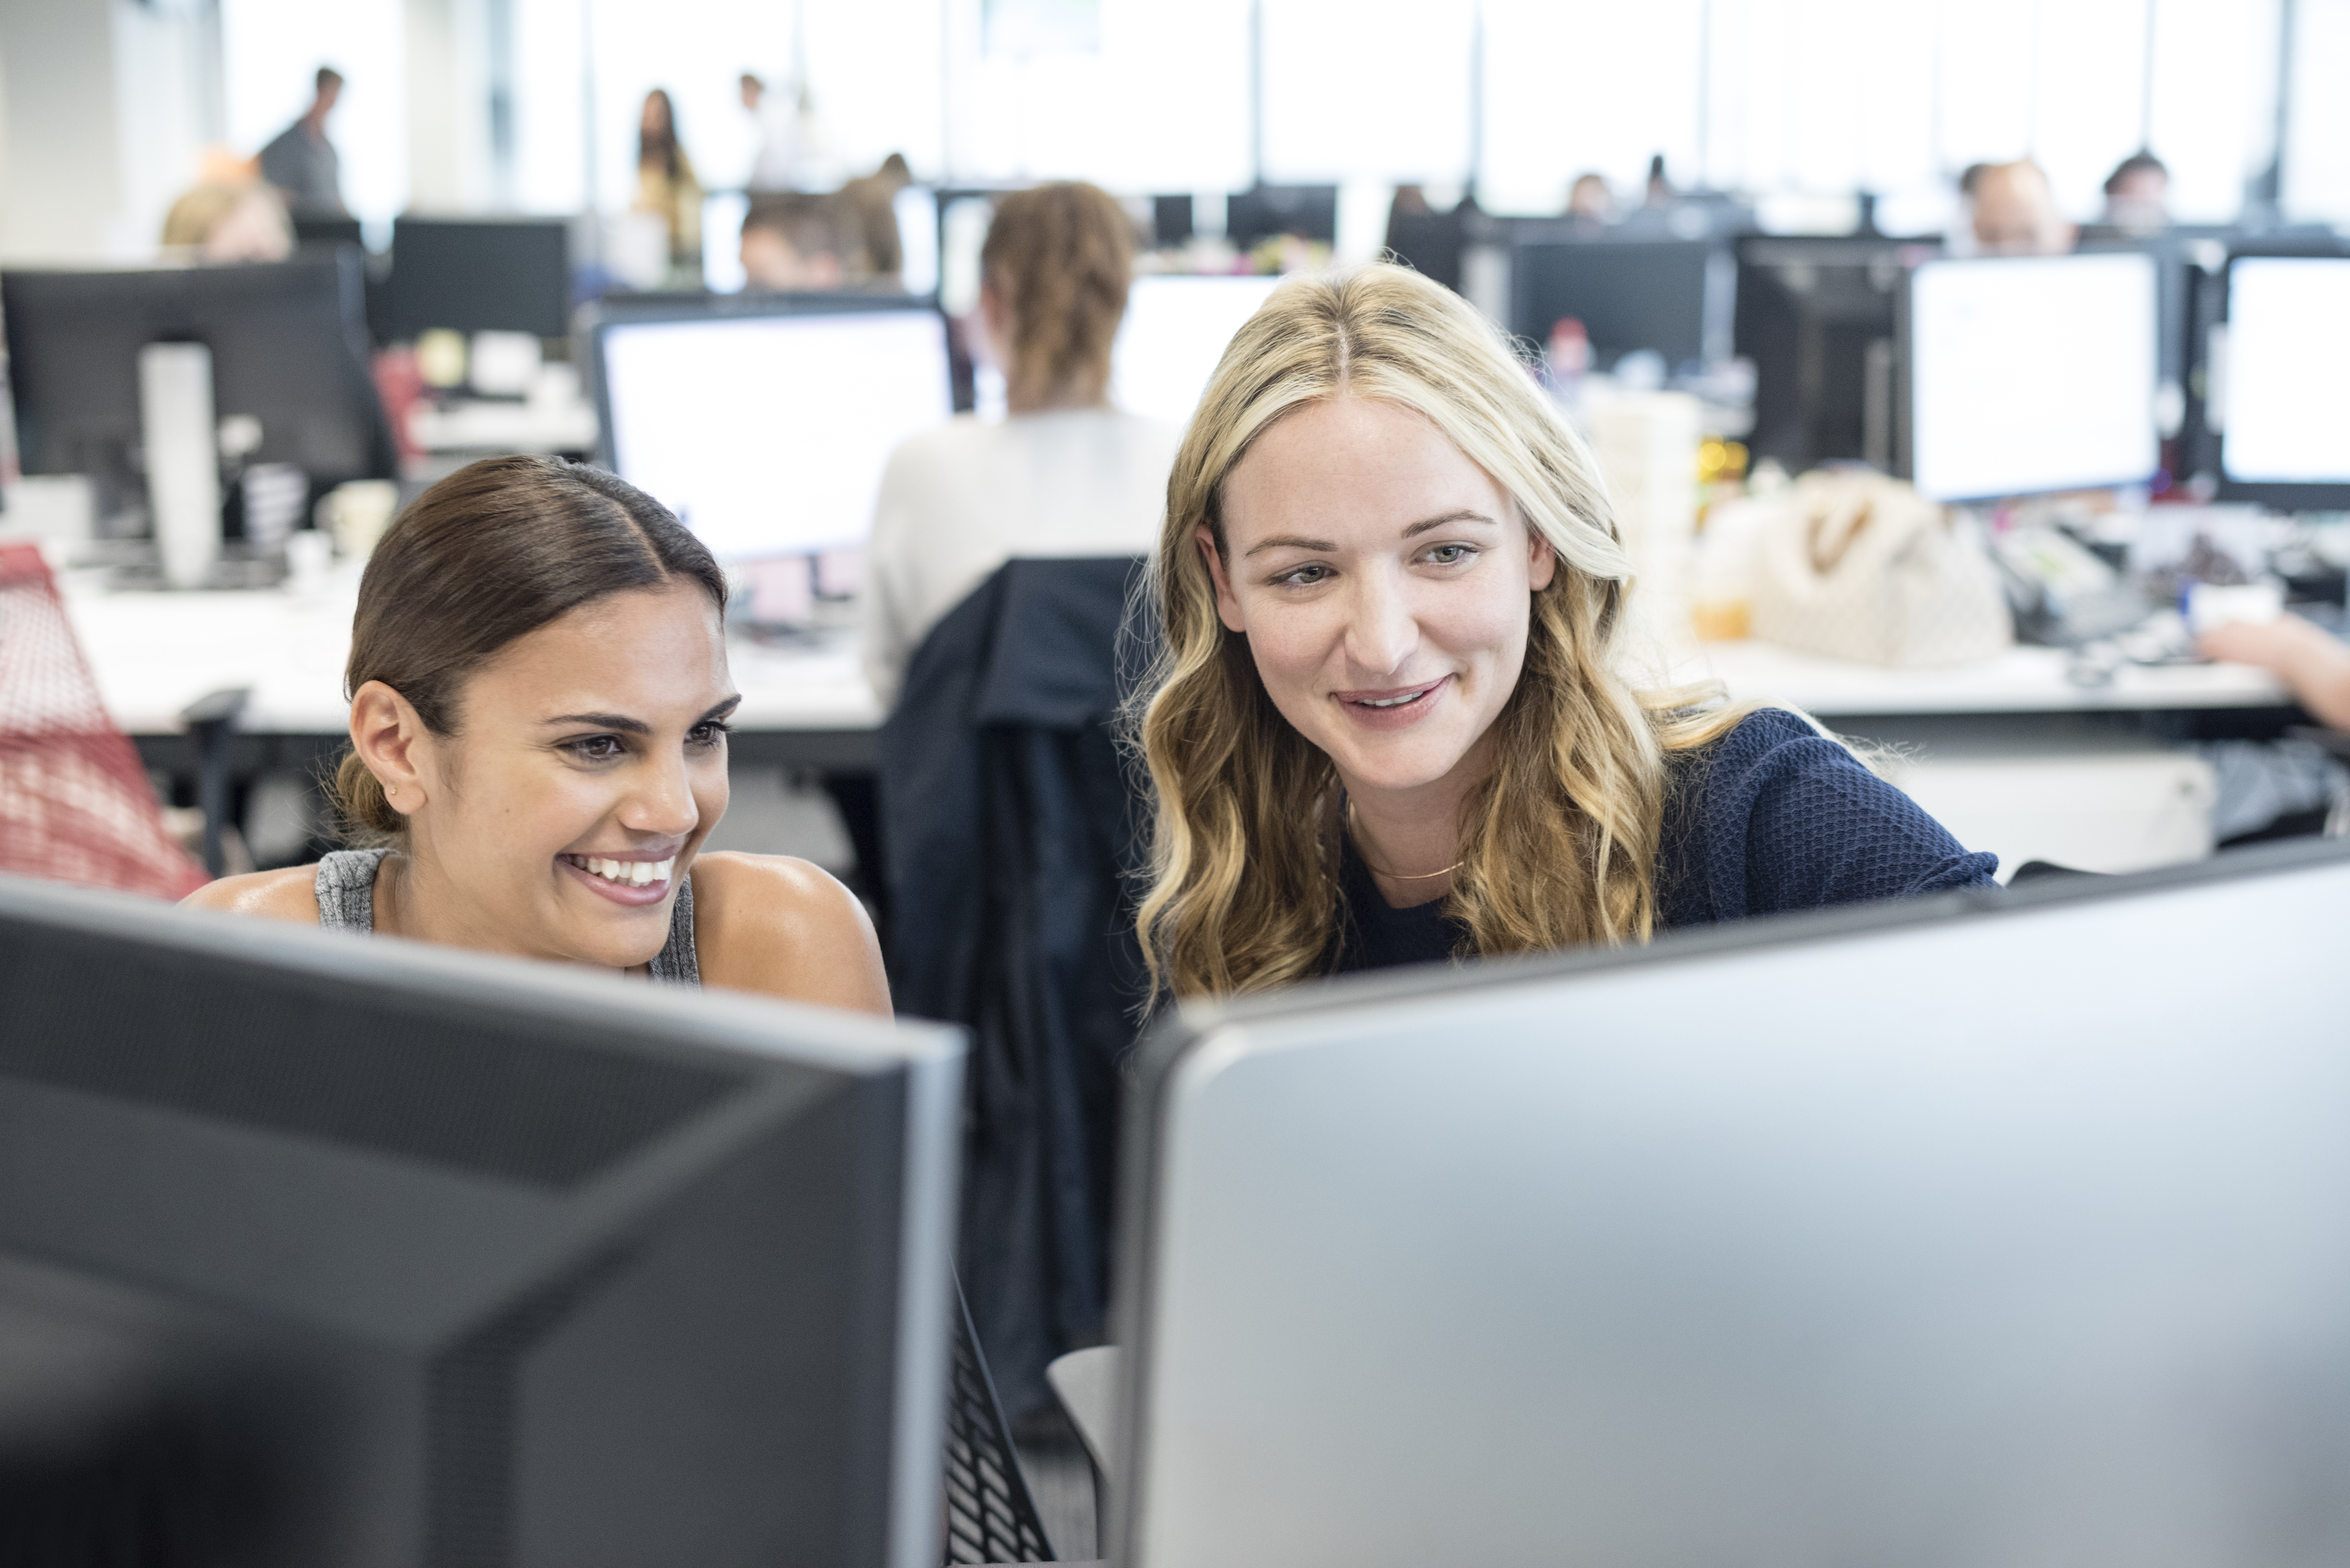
column 1175, row 331
column 2287, row 403
column 767, row 434
column 2032, row 375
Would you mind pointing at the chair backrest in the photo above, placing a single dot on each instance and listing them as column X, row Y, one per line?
column 1009, row 824
column 991, row 1518
column 75, row 805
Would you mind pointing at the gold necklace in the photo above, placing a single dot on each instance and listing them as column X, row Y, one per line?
column 1356, row 832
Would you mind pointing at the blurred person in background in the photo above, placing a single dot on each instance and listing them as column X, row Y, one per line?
column 1661, row 191
column 2312, row 663
column 2138, row 195
column 302, row 163
column 229, row 220
column 666, row 184
column 793, row 242
column 1064, row 475
column 871, row 199
column 1590, row 202
column 2016, row 213
column 776, row 164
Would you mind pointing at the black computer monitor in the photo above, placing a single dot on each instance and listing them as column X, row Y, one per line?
column 1268, row 212
column 2276, row 404
column 1816, row 317
column 1674, row 298
column 2009, row 1226
column 765, row 422
column 329, row 232
column 478, row 275
column 314, row 1250
column 288, row 343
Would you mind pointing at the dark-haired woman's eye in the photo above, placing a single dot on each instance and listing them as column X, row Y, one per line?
column 709, row 732
column 595, row 748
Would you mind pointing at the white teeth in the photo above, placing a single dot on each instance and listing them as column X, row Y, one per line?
column 1392, row 702
column 629, row 873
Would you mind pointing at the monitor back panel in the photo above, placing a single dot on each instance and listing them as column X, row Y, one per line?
column 479, row 274
column 1674, row 298
column 2016, row 1236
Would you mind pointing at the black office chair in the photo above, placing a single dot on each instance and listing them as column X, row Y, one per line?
column 1008, row 828
column 991, row 1518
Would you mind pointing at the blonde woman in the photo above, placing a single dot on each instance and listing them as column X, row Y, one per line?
column 1064, row 475
column 1389, row 724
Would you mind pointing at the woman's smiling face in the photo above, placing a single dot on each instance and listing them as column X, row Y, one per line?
column 1384, row 584
column 588, row 765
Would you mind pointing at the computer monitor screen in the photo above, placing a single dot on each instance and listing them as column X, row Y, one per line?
column 288, row 344
column 2285, row 403
column 1816, row 317
column 1672, row 297
column 723, row 213
column 479, row 274
column 766, row 430
column 320, row 1250
column 2027, row 375
column 1265, row 212
column 1949, row 1233
column 1175, row 330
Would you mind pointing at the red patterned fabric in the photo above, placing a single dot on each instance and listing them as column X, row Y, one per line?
column 75, row 805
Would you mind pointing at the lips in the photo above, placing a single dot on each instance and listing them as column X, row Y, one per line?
column 632, row 878
column 1393, row 707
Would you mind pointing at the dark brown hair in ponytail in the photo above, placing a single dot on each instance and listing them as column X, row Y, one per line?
column 1060, row 258
column 496, row 550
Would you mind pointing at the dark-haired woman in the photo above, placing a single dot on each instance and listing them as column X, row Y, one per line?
column 1064, row 475
column 667, row 188
column 539, row 696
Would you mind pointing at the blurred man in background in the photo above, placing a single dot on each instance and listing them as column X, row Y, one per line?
column 2016, row 213
column 794, row 242
column 2138, row 195
column 302, row 163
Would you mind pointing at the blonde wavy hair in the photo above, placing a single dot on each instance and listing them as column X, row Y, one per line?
column 1559, row 842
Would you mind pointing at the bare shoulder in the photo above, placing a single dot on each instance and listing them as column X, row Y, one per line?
column 291, row 894
column 773, row 924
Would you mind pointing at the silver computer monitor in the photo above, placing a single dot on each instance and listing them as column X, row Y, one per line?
column 765, row 424
column 1175, row 330
column 2004, row 1229
column 2027, row 375
column 2280, row 405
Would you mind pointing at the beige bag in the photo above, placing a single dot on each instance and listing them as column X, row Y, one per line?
column 1860, row 567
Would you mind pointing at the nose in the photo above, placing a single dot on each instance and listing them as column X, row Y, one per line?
column 662, row 801
column 1382, row 633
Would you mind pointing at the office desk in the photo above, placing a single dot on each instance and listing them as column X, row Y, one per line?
column 2022, row 681
column 155, row 653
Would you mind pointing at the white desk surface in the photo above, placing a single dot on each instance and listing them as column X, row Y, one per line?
column 154, row 653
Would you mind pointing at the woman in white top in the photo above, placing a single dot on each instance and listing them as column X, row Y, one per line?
column 1065, row 475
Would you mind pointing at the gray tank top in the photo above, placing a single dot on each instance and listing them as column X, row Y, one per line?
column 346, row 903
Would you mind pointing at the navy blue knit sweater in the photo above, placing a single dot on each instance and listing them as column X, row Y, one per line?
column 1771, row 817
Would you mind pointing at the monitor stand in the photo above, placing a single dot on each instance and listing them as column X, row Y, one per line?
column 183, row 459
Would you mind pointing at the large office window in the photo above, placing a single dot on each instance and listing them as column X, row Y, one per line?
column 2317, row 146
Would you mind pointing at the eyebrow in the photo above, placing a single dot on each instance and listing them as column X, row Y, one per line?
column 626, row 725
column 1296, row 541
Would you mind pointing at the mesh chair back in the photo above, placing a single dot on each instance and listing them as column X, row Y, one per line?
column 75, row 806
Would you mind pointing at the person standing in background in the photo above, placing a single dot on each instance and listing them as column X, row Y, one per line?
column 301, row 162
column 666, row 184
column 872, row 198
column 776, row 166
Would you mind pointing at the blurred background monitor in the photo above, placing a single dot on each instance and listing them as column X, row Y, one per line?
column 2026, row 375
column 765, row 421
column 288, row 343
column 1175, row 330
column 327, row 232
column 1269, row 211
column 478, row 275
column 723, row 213
column 2279, row 400
column 1816, row 317
column 1540, row 1261
column 319, row 1251
column 1676, row 299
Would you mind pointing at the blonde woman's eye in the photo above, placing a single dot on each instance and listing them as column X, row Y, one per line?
column 1304, row 576
column 1452, row 555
